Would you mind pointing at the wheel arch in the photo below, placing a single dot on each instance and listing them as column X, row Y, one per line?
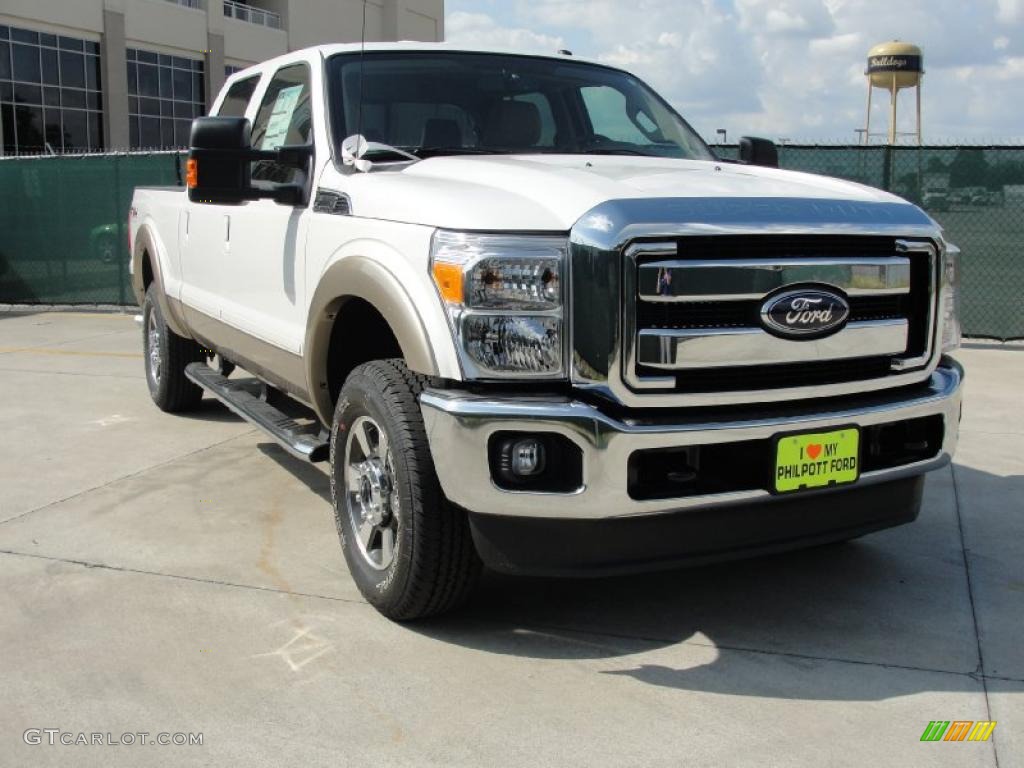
column 347, row 285
column 146, row 269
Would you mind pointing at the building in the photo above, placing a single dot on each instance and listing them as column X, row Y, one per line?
column 88, row 75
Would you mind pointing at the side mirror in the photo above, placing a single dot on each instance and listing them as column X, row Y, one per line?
column 219, row 170
column 755, row 151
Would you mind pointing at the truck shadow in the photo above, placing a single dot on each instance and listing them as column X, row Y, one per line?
column 887, row 615
column 883, row 616
column 316, row 478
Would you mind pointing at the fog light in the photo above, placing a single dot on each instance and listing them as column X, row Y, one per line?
column 527, row 457
column 545, row 462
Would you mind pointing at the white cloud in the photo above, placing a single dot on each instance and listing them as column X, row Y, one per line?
column 481, row 29
column 849, row 45
column 1010, row 11
column 786, row 18
column 790, row 68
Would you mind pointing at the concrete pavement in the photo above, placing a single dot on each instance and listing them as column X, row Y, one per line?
column 182, row 574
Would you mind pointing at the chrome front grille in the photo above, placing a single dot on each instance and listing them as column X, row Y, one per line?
column 677, row 349
column 723, row 314
column 688, row 280
column 692, row 314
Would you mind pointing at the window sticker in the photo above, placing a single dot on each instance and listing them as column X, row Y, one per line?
column 281, row 117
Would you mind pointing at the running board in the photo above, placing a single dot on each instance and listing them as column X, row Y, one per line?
column 308, row 443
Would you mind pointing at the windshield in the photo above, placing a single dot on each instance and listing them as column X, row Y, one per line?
column 431, row 103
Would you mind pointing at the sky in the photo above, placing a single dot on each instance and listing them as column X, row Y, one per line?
column 789, row 69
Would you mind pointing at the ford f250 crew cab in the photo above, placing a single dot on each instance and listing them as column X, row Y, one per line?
column 534, row 323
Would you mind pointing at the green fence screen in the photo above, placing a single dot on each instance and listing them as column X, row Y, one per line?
column 975, row 193
column 63, row 219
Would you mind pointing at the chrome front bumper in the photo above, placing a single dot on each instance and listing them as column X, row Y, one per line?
column 459, row 425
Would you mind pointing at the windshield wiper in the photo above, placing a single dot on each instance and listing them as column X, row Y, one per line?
column 439, row 151
column 355, row 149
column 375, row 148
column 615, row 151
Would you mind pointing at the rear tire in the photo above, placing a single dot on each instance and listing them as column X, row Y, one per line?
column 408, row 549
column 166, row 355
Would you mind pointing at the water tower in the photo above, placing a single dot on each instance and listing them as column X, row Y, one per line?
column 894, row 66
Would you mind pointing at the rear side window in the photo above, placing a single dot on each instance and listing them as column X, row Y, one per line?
column 285, row 117
column 237, row 99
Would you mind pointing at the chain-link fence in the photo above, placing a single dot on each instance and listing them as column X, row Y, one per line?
column 975, row 193
column 63, row 218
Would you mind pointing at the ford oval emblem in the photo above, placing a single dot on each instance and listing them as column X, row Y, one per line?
column 805, row 313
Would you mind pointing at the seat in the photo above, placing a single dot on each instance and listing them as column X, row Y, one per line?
column 441, row 132
column 512, row 124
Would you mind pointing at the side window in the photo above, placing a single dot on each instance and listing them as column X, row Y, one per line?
column 284, row 118
column 237, row 98
column 606, row 107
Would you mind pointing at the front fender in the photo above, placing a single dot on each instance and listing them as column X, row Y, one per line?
column 356, row 275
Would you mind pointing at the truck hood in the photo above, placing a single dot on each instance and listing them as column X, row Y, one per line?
column 551, row 192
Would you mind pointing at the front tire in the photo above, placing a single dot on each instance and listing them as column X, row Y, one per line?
column 408, row 549
column 166, row 355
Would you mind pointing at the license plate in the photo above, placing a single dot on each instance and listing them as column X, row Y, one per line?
column 816, row 459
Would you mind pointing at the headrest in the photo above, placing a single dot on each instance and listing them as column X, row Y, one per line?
column 512, row 124
column 441, row 132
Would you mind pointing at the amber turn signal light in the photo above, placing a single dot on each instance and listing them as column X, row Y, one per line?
column 449, row 281
column 192, row 173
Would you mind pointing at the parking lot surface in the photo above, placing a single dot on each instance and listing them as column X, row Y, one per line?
column 183, row 575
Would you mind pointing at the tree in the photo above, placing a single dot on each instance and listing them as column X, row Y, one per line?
column 969, row 168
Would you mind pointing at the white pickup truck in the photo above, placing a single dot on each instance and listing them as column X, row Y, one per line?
column 534, row 323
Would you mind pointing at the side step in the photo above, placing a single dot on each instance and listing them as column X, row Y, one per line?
column 306, row 442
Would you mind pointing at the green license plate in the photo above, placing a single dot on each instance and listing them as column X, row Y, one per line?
column 816, row 459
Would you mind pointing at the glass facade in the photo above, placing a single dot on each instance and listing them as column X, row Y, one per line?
column 49, row 93
column 164, row 94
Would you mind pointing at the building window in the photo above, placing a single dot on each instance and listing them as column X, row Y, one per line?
column 164, row 94
column 49, row 93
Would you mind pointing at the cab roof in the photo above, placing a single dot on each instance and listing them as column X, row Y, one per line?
column 411, row 46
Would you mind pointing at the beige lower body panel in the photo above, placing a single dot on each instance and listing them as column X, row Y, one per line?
column 284, row 370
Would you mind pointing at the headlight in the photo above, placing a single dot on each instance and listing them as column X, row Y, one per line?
column 504, row 298
column 951, row 299
column 510, row 344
